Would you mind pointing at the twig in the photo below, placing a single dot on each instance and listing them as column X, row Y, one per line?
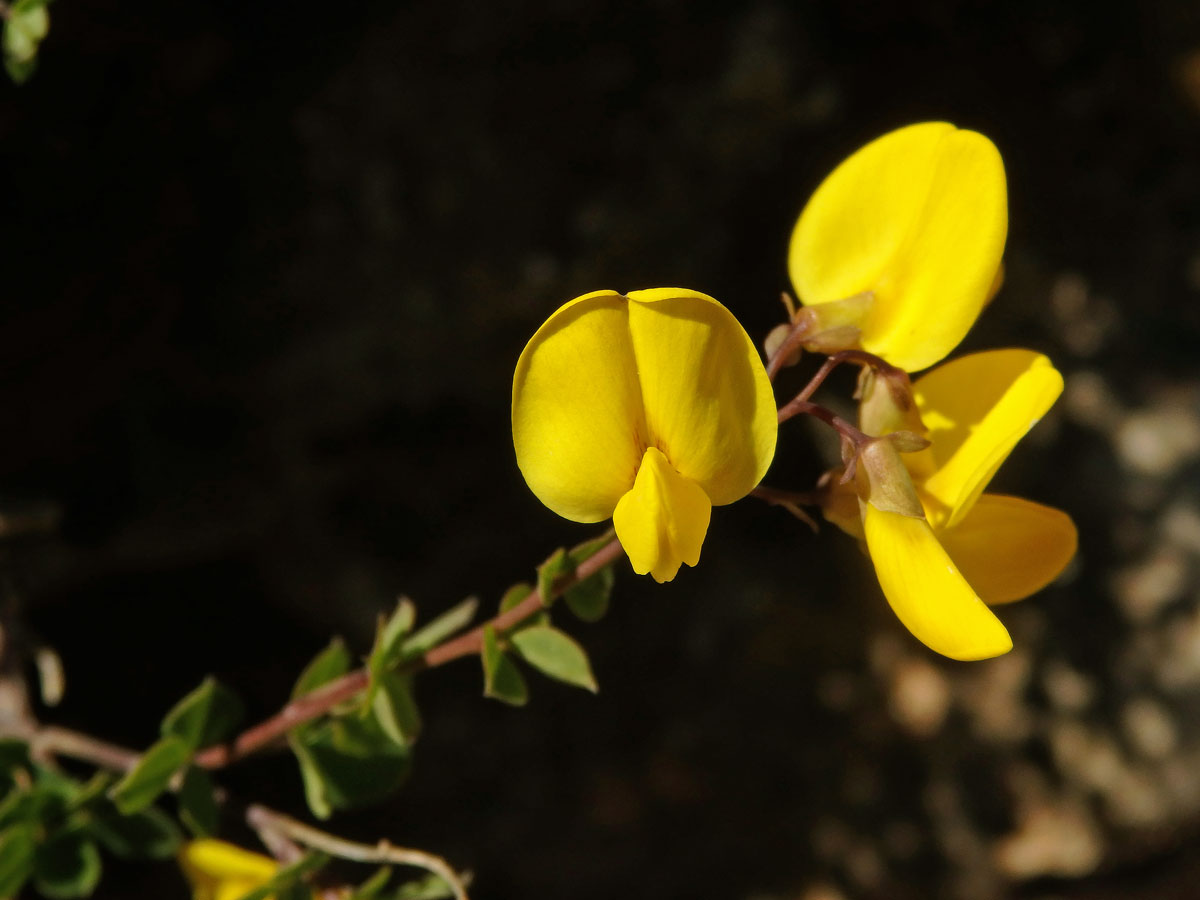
column 49, row 740
column 267, row 821
column 862, row 357
column 5, row 11
column 797, row 406
column 792, row 501
column 801, row 326
column 330, row 695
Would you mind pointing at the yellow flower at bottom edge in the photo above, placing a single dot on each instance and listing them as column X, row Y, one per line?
column 918, row 218
column 651, row 408
column 970, row 549
column 218, row 870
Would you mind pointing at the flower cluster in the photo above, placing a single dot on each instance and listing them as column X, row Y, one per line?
column 652, row 407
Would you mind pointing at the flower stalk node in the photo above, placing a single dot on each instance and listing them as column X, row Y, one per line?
column 888, row 486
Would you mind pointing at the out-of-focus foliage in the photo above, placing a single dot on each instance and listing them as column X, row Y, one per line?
column 25, row 26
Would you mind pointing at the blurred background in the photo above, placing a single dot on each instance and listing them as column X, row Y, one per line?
column 267, row 268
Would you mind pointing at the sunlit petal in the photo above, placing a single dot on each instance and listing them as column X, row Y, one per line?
column 218, row 870
column 578, row 426
column 976, row 408
column 662, row 521
column 708, row 403
column 1009, row 548
column 918, row 217
column 926, row 590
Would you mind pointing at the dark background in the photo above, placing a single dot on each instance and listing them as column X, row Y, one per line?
column 267, row 268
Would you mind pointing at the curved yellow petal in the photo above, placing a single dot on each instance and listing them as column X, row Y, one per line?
column 218, row 870
column 578, row 426
column 662, row 521
column 708, row 402
column 1009, row 548
column 927, row 592
column 976, row 409
column 918, row 217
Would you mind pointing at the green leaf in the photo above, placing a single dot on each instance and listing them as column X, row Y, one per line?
column 395, row 709
column 94, row 791
column 19, row 70
column 289, row 877
column 388, row 649
column 66, row 866
column 149, row 834
column 502, row 679
column 588, row 599
column 390, row 634
column 313, row 779
column 17, row 848
column 330, row 664
column 347, row 762
column 554, row 653
column 142, row 785
column 44, row 801
column 431, row 887
column 27, row 24
column 197, row 803
column 557, row 568
column 205, row 716
column 452, row 620
column 515, row 595
column 373, row 886
column 27, row 6
column 590, row 548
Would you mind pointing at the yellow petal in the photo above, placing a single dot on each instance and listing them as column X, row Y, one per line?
column 918, row 217
column 709, row 405
column 662, row 521
column 1009, row 548
column 216, row 869
column 927, row 592
column 976, row 409
column 578, row 426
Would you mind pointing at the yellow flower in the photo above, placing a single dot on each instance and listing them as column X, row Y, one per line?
column 651, row 408
column 221, row 871
column 938, row 571
column 918, row 218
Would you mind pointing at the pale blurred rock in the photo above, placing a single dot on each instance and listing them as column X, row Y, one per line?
column 1157, row 441
column 837, row 690
column 1149, row 728
column 1059, row 840
column 1085, row 756
column 1087, row 399
column 831, row 839
column 1067, row 689
column 822, row 892
column 920, row 697
column 902, row 840
column 1180, row 526
column 1144, row 588
column 1133, row 799
column 865, row 866
column 1181, row 778
column 993, row 693
column 1179, row 662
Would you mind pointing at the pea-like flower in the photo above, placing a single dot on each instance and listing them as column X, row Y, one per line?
column 218, row 870
column 957, row 548
column 909, row 231
column 650, row 407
